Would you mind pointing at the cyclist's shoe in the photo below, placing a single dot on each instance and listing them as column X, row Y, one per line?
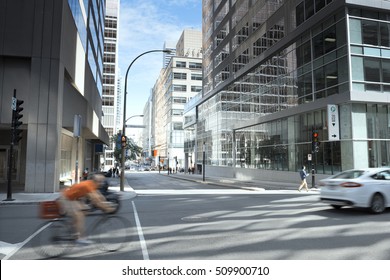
column 84, row 242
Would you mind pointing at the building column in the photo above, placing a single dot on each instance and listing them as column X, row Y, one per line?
column 353, row 132
column 45, row 125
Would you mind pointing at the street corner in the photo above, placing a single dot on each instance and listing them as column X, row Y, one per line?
column 27, row 198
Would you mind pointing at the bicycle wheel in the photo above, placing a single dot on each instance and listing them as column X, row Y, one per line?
column 54, row 239
column 111, row 233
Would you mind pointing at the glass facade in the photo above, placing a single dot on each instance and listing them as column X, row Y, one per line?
column 370, row 50
column 263, row 97
column 91, row 14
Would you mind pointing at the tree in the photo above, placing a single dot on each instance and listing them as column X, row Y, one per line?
column 132, row 149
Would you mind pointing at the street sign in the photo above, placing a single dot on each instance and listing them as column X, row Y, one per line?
column 333, row 123
column 309, row 157
column 13, row 104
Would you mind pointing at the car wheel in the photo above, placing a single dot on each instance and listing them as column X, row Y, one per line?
column 377, row 204
column 336, row 206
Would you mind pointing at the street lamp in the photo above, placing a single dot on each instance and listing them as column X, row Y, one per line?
column 122, row 185
column 141, row 116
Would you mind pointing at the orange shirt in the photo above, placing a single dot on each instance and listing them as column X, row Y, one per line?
column 80, row 190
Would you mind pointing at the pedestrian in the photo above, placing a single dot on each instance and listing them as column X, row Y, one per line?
column 85, row 174
column 303, row 175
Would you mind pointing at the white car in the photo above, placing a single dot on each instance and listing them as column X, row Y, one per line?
column 366, row 187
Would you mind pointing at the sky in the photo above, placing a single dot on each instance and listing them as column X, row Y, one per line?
column 146, row 25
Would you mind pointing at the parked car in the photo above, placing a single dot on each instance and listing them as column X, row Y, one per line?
column 367, row 187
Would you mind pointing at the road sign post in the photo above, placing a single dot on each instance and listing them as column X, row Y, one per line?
column 333, row 123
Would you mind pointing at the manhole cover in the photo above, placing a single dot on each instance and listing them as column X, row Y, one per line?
column 194, row 219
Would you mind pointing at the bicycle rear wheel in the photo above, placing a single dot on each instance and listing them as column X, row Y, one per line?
column 54, row 239
column 111, row 233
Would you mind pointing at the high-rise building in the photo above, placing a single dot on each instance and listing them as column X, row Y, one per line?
column 168, row 55
column 278, row 72
column 110, row 78
column 180, row 81
column 51, row 55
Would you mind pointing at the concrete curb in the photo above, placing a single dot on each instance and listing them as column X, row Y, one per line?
column 21, row 198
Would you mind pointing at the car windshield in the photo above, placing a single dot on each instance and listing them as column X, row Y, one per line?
column 351, row 174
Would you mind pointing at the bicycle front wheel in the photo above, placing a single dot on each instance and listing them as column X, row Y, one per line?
column 54, row 239
column 111, row 233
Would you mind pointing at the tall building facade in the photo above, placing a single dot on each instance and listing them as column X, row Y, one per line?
column 51, row 54
column 111, row 90
column 276, row 71
column 178, row 83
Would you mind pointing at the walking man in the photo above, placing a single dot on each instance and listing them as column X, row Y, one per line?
column 303, row 175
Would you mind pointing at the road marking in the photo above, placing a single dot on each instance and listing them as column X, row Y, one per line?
column 13, row 248
column 8, row 248
column 140, row 233
column 257, row 191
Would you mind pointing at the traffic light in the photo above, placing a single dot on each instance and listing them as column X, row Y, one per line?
column 124, row 140
column 315, row 141
column 16, row 123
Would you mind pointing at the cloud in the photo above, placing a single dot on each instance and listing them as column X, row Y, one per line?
column 146, row 25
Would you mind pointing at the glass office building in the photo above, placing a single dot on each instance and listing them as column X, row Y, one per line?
column 272, row 69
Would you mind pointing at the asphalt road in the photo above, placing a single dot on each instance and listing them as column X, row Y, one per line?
column 181, row 220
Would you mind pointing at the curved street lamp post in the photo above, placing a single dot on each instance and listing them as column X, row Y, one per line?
column 122, row 185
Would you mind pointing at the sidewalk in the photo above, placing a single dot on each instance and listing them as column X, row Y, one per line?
column 236, row 183
column 34, row 198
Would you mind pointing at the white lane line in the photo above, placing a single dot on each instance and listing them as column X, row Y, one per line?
column 140, row 233
column 18, row 246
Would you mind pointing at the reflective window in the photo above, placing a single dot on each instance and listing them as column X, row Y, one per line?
column 370, row 32
column 385, row 34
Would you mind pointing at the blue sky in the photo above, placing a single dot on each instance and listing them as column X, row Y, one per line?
column 145, row 25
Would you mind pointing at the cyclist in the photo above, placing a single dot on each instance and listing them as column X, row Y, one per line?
column 71, row 203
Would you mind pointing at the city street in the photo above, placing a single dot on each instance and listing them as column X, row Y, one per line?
column 177, row 219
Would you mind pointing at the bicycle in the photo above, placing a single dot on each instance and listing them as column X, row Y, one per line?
column 56, row 237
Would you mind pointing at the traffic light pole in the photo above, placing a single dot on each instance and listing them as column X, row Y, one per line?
column 315, row 149
column 14, row 136
column 9, row 175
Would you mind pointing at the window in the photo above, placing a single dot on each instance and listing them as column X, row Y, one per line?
column 177, row 126
column 180, row 76
column 309, row 8
column 370, row 32
column 196, row 77
column 195, row 65
column 385, row 32
column 303, row 54
column 196, row 88
column 319, row 4
column 384, row 175
column 181, row 64
column 300, row 13
column 386, row 70
column 181, row 88
column 179, row 100
column 372, row 70
column 177, row 112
